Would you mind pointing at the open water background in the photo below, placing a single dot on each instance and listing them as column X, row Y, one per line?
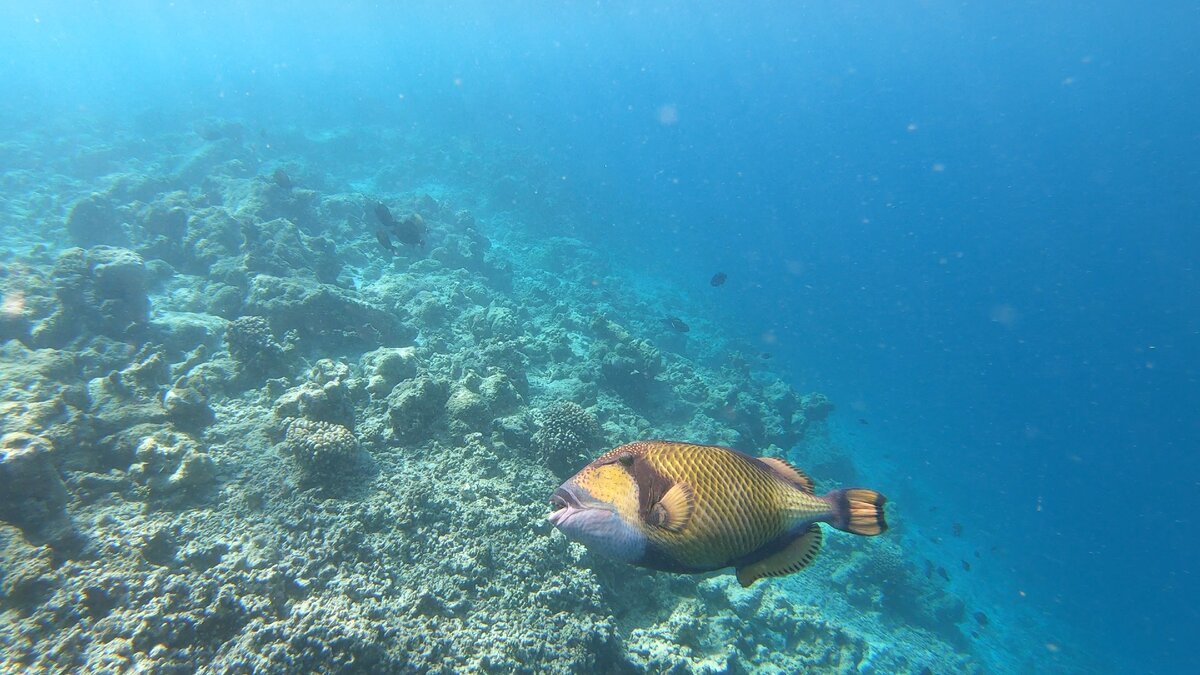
column 973, row 224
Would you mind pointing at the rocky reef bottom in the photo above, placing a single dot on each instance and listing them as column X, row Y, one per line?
column 241, row 434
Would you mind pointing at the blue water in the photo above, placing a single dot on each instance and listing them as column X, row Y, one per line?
column 974, row 225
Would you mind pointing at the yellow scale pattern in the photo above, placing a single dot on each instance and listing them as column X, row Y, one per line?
column 739, row 506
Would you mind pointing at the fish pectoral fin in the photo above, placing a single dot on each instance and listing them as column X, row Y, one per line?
column 794, row 557
column 789, row 473
column 675, row 508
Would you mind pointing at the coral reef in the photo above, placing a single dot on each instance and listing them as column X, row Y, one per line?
column 102, row 291
column 240, row 436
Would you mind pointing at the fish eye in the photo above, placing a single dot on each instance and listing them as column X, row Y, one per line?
column 625, row 458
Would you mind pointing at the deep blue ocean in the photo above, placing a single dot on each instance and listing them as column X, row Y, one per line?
column 974, row 225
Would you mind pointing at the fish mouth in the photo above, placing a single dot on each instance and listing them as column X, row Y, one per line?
column 562, row 498
column 557, row 503
column 582, row 518
column 564, row 503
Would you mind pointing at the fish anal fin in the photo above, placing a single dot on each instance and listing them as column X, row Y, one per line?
column 794, row 557
column 789, row 473
column 674, row 510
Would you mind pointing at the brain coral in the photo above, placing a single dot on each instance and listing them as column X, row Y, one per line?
column 566, row 438
column 324, row 451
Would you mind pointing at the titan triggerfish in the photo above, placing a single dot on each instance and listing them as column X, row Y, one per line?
column 679, row 507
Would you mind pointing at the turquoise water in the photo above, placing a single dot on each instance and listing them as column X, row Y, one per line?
column 241, row 434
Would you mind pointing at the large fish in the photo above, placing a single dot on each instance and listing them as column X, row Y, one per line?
column 686, row 508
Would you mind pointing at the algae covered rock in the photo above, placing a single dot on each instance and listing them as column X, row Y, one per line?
column 325, row 397
column 414, row 405
column 628, row 366
column 187, row 406
column 172, row 467
column 28, row 576
column 93, row 220
column 386, row 367
column 290, row 304
column 279, row 248
column 476, row 402
column 32, row 494
column 101, row 290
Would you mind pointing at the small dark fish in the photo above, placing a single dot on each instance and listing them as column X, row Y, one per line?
column 676, row 324
column 977, row 555
column 943, row 574
column 863, row 422
column 384, row 214
column 966, row 566
column 282, row 179
column 957, row 529
column 765, row 356
column 385, row 241
column 410, row 230
column 718, row 278
column 928, row 569
column 927, row 671
column 981, row 618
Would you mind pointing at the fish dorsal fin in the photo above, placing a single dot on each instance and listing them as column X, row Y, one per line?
column 674, row 510
column 789, row 473
column 794, row 557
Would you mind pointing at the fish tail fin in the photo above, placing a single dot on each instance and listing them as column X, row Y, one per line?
column 858, row 510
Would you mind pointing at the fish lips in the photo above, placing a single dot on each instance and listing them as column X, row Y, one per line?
column 566, row 502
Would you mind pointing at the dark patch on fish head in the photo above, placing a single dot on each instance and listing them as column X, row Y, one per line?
column 649, row 483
